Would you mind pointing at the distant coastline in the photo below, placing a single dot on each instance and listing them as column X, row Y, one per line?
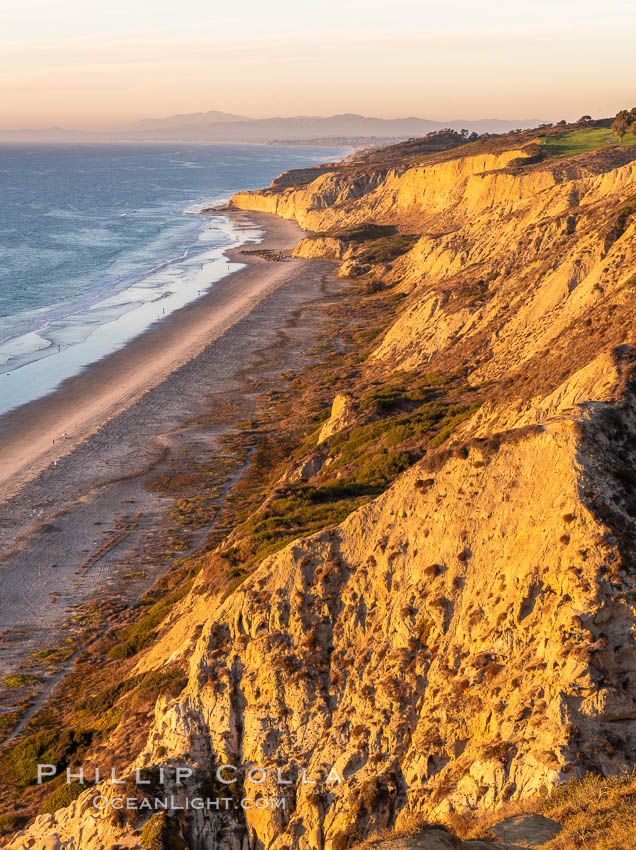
column 236, row 129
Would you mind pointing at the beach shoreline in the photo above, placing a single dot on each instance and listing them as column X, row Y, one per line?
column 92, row 529
column 38, row 434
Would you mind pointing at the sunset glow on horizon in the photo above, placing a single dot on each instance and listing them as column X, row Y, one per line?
column 64, row 64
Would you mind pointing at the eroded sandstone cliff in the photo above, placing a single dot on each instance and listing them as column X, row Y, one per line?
column 466, row 638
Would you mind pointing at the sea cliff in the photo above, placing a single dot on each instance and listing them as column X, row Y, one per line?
column 463, row 639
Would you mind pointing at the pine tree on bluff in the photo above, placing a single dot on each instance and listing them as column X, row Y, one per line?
column 624, row 122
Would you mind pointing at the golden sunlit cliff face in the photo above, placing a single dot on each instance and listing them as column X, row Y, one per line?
column 466, row 638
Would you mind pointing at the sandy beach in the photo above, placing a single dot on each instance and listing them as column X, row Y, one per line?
column 77, row 518
column 36, row 435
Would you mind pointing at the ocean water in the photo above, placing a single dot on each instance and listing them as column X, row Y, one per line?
column 99, row 241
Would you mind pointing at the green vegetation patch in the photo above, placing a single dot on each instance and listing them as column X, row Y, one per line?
column 372, row 458
column 161, row 833
column 10, row 824
column 53, row 656
column 20, row 680
column 386, row 398
column 381, row 242
column 62, row 797
column 141, row 634
column 454, row 417
column 19, row 766
column 362, row 233
column 347, row 445
column 294, row 516
column 407, row 388
column 387, row 248
column 376, row 470
column 584, row 141
column 106, row 699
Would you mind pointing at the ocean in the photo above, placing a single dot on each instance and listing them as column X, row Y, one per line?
column 99, row 241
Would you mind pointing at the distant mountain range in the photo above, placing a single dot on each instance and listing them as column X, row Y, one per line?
column 217, row 126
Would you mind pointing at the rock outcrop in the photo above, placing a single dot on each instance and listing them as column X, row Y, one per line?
column 342, row 415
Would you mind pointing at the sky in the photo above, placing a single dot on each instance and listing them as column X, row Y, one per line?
column 99, row 63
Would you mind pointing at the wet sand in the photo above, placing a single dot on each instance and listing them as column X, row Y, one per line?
column 38, row 434
column 198, row 364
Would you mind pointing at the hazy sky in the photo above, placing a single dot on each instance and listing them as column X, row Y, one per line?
column 97, row 62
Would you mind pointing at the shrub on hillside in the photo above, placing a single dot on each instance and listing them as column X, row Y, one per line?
column 50, row 746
